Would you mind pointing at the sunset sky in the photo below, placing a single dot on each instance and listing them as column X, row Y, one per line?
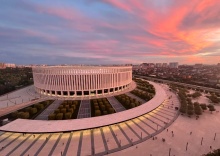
column 109, row 31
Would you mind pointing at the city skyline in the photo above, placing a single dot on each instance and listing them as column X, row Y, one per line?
column 110, row 32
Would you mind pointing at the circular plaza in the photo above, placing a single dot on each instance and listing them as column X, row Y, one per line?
column 88, row 135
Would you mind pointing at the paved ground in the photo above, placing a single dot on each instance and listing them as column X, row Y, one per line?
column 19, row 96
column 118, row 107
column 86, row 123
column 84, row 109
column 97, row 141
column 183, row 137
column 50, row 109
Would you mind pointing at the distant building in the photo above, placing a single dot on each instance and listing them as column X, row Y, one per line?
column 158, row 65
column 164, row 65
column 173, row 64
column 10, row 65
column 199, row 65
column 2, row 65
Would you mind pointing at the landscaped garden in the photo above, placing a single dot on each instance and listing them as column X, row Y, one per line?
column 67, row 110
column 101, row 107
column 144, row 90
column 187, row 106
column 30, row 112
column 127, row 101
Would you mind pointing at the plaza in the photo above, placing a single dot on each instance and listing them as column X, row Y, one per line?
column 157, row 131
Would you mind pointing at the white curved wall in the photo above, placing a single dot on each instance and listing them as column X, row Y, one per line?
column 67, row 81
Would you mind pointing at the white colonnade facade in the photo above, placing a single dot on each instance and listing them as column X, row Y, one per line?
column 81, row 81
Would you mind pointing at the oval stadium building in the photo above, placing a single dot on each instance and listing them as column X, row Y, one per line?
column 81, row 81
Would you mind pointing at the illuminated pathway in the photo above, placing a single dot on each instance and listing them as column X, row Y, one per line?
column 97, row 141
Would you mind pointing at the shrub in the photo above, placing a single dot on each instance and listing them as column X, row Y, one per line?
column 14, row 114
column 20, row 114
column 71, row 110
column 73, row 106
column 105, row 112
column 96, row 107
column 60, row 107
column 68, row 115
column 23, row 115
column 63, row 110
column 132, row 105
column 59, row 116
column 56, row 111
column 27, row 109
column 97, row 112
column 33, row 111
column 103, row 108
column 40, row 106
column 111, row 110
column 52, row 116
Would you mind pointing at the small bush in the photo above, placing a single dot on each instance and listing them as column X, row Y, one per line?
column 52, row 117
column 63, row 110
column 59, row 116
column 33, row 111
column 68, row 115
column 97, row 112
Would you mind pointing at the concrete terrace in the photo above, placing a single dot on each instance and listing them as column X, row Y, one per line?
column 96, row 141
column 37, row 126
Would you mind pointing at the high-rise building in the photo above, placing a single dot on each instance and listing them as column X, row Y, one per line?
column 173, row 64
column 158, row 65
column 164, row 65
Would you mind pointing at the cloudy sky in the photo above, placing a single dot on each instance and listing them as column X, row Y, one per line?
column 109, row 31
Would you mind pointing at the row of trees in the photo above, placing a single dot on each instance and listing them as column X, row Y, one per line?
column 31, row 111
column 101, row 107
column 214, row 98
column 141, row 94
column 127, row 101
column 66, row 110
column 14, row 78
column 145, row 86
column 195, row 95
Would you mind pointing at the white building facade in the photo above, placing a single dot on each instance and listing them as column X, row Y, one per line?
column 81, row 81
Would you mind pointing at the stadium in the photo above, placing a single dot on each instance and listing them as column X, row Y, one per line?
column 75, row 81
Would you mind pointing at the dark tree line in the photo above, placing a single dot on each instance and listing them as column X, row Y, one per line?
column 14, row 78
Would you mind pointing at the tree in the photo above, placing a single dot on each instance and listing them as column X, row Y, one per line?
column 183, row 109
column 211, row 108
column 203, row 106
column 198, row 110
column 190, row 112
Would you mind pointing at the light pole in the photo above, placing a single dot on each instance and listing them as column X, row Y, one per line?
column 169, row 151
column 141, row 135
column 201, row 140
column 215, row 136
column 186, row 146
